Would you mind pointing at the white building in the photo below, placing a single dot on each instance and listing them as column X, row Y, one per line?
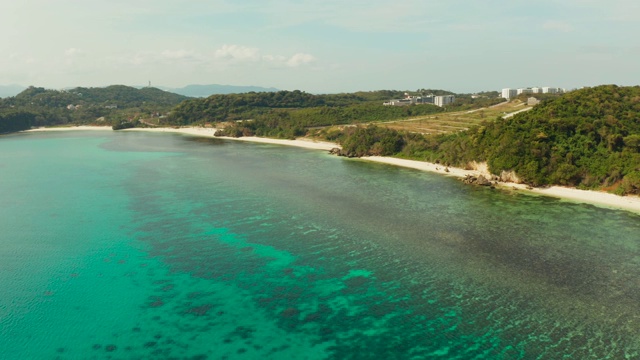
column 524, row 91
column 536, row 90
column 509, row 93
column 443, row 100
column 408, row 100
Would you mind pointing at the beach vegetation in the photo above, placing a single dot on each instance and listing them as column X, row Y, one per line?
column 589, row 138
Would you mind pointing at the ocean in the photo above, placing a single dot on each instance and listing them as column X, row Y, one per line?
column 131, row 245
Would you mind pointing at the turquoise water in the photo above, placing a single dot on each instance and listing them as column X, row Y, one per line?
column 135, row 245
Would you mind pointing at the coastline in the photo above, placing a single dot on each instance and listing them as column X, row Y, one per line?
column 208, row 132
column 599, row 198
column 70, row 128
column 628, row 203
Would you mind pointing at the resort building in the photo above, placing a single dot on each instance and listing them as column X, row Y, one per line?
column 509, row 93
column 408, row 100
column 443, row 100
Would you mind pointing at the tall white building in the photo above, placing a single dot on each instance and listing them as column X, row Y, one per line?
column 443, row 100
column 524, row 91
column 509, row 93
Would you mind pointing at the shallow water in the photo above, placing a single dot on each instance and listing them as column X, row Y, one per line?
column 137, row 245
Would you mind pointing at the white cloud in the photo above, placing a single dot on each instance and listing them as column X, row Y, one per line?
column 557, row 26
column 178, row 54
column 237, row 52
column 274, row 59
column 299, row 59
column 70, row 52
column 241, row 54
column 140, row 58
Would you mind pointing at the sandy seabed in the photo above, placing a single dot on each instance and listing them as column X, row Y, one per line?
column 630, row 203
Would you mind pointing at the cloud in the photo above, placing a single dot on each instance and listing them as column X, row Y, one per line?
column 229, row 54
column 557, row 26
column 71, row 52
column 299, row 59
column 242, row 54
column 178, row 54
column 237, row 52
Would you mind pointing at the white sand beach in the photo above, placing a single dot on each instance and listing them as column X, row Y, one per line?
column 630, row 203
column 70, row 128
column 208, row 132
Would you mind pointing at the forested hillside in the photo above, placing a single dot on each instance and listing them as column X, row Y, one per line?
column 110, row 105
column 220, row 108
column 588, row 138
column 287, row 114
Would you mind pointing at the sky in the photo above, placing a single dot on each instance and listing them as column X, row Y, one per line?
column 326, row 46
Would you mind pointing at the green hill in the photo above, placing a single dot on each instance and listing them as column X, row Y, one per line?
column 37, row 106
column 287, row 114
column 588, row 138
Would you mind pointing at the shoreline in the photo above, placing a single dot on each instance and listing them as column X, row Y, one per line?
column 598, row 198
column 629, row 203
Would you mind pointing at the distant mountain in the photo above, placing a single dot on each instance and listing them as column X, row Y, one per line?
column 215, row 89
column 10, row 90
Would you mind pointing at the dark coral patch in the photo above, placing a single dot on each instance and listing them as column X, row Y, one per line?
column 290, row 312
column 110, row 348
column 326, row 331
column 150, row 344
column 168, row 287
column 200, row 310
column 96, row 347
column 313, row 317
column 243, row 332
column 156, row 302
column 194, row 295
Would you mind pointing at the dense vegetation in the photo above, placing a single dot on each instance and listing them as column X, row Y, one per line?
column 111, row 105
column 323, row 109
column 297, row 122
column 588, row 138
column 11, row 121
column 287, row 114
